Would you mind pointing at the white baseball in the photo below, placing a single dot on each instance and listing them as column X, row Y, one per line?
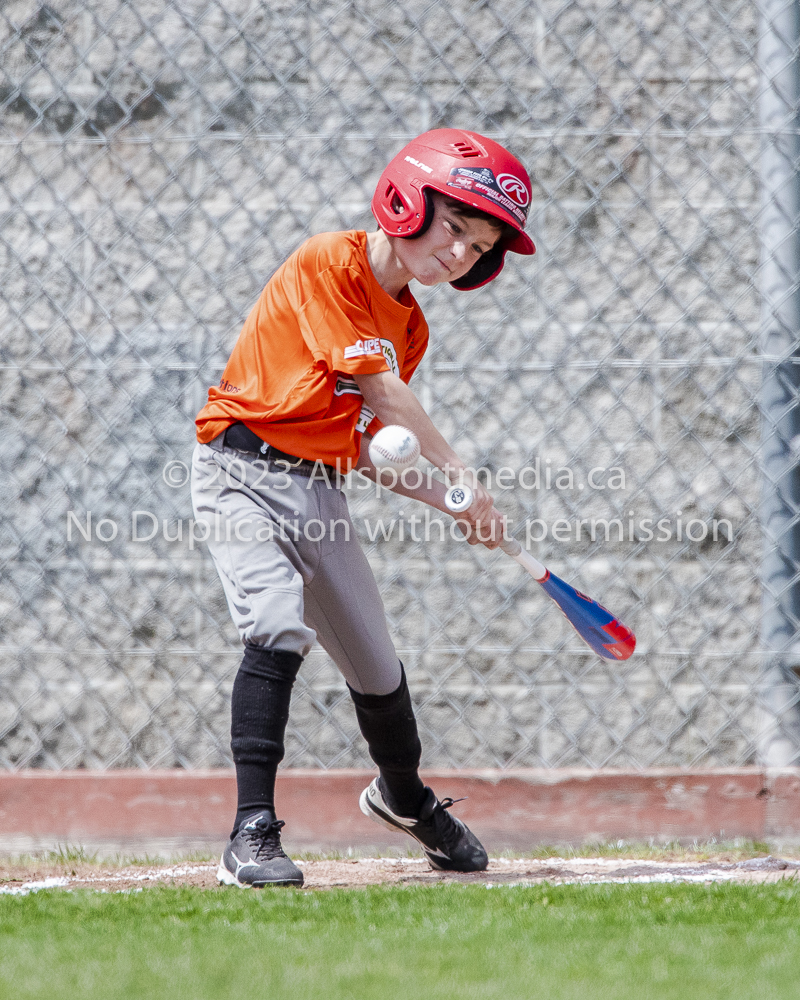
column 394, row 447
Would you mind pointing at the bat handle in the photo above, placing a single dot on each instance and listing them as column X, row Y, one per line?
column 511, row 547
column 459, row 498
column 528, row 562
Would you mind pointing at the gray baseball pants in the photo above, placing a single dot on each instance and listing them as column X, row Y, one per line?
column 291, row 565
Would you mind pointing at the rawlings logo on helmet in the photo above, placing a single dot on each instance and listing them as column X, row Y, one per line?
column 467, row 167
column 515, row 188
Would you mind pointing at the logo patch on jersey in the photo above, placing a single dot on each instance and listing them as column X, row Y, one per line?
column 345, row 385
column 362, row 348
column 365, row 418
column 359, row 349
column 390, row 356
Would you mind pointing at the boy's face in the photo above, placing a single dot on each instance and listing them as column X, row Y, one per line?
column 449, row 248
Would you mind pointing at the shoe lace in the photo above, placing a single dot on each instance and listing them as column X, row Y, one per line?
column 265, row 840
column 448, row 830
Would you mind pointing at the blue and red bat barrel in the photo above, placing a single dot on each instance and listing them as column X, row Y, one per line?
column 606, row 634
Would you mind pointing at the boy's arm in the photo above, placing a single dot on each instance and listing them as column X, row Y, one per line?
column 395, row 403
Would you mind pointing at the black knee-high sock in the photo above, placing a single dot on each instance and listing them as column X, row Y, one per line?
column 388, row 725
column 262, row 691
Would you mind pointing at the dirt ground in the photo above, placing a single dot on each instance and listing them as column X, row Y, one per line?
column 22, row 877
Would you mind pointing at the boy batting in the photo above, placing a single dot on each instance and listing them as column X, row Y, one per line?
column 323, row 362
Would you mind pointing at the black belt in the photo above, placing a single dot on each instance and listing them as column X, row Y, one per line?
column 241, row 438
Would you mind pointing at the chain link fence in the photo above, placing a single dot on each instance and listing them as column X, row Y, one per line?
column 158, row 162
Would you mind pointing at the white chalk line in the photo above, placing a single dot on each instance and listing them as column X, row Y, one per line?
column 728, row 873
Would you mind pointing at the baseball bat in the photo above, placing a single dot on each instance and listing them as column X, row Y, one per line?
column 606, row 635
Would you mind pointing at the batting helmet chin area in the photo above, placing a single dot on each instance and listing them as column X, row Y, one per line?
column 464, row 166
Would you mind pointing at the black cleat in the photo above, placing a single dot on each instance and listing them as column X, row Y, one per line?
column 255, row 858
column 448, row 844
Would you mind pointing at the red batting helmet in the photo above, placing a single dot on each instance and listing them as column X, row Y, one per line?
column 469, row 168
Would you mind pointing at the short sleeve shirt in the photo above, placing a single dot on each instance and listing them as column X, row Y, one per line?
column 321, row 319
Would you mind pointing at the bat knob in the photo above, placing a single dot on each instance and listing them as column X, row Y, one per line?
column 458, row 499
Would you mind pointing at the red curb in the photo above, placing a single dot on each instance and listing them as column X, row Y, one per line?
column 529, row 807
column 517, row 808
column 783, row 803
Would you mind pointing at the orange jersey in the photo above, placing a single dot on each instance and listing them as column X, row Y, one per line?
column 321, row 319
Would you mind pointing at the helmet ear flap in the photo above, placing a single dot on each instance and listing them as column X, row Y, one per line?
column 427, row 218
column 398, row 210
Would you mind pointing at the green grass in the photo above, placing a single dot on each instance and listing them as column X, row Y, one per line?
column 611, row 942
column 672, row 851
column 71, row 854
